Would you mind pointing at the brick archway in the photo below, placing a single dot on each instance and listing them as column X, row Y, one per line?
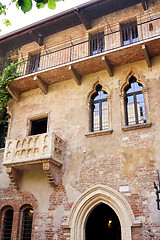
column 92, row 197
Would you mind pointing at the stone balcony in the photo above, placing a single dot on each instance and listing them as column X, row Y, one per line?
column 43, row 150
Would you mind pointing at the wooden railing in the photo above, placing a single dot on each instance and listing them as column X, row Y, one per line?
column 148, row 27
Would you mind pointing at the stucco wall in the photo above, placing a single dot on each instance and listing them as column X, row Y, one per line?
column 120, row 160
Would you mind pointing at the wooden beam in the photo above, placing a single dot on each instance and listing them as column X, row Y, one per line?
column 108, row 66
column 13, row 92
column 75, row 75
column 37, row 37
column 84, row 19
column 145, row 4
column 146, row 55
column 41, row 84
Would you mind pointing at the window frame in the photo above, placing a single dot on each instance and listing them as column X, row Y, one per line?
column 35, row 122
column 129, row 27
column 35, row 68
column 3, row 214
column 88, row 132
column 94, row 39
column 140, row 79
column 100, row 114
column 135, row 112
column 24, row 223
column 34, row 118
column 20, row 221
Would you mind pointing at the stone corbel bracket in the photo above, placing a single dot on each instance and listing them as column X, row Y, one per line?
column 14, row 176
column 52, row 172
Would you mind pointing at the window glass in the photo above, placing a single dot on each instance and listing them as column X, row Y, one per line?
column 27, row 224
column 99, row 110
column 96, row 117
column 141, row 108
column 97, row 43
column 34, row 63
column 129, row 33
column 105, row 115
column 135, row 105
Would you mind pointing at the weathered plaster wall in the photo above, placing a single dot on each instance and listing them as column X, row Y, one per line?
column 118, row 159
column 122, row 158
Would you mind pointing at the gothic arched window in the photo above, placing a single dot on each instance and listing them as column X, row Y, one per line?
column 134, row 103
column 99, row 110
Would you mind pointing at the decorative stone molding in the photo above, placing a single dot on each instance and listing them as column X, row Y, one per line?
column 140, row 79
column 137, row 126
column 94, row 196
column 88, row 106
column 43, row 149
column 99, row 133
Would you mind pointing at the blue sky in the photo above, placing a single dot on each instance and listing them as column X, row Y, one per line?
column 19, row 19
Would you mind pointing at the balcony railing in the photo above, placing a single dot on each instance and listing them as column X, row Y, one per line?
column 43, row 150
column 33, row 149
column 115, row 37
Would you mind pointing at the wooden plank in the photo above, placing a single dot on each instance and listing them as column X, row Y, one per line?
column 146, row 55
column 108, row 66
column 75, row 75
column 145, row 4
column 13, row 92
column 84, row 19
column 41, row 84
column 37, row 37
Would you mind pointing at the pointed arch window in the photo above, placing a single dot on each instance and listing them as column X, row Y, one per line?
column 134, row 103
column 7, row 224
column 99, row 110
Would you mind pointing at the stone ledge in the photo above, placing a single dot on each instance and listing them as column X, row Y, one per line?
column 65, row 226
column 2, row 149
column 136, row 126
column 137, row 223
column 99, row 133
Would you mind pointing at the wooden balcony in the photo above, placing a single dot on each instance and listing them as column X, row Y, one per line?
column 38, row 151
column 74, row 60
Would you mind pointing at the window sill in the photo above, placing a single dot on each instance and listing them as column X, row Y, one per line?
column 2, row 149
column 136, row 126
column 99, row 133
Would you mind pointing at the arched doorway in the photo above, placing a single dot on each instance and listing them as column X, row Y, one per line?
column 102, row 224
column 93, row 197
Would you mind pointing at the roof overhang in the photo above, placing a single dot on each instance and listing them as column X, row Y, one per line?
column 83, row 14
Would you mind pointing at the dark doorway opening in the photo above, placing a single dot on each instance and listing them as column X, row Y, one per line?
column 3, row 127
column 103, row 224
column 39, row 126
